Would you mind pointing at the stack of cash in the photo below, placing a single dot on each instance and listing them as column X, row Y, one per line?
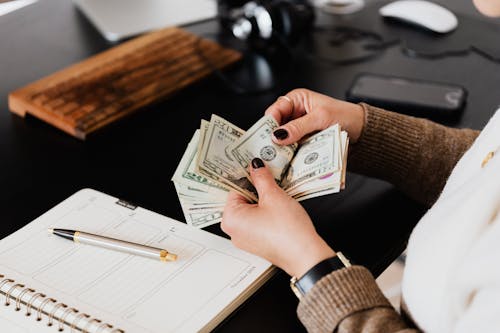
column 219, row 154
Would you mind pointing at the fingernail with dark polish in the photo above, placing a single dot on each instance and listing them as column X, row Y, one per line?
column 280, row 134
column 257, row 163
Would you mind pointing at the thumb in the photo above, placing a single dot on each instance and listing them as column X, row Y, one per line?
column 294, row 130
column 262, row 179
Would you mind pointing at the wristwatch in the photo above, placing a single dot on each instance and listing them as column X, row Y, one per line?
column 301, row 286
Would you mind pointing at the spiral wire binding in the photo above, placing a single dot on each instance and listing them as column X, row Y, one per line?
column 62, row 319
column 8, row 295
column 4, row 281
column 40, row 309
column 89, row 324
column 20, row 297
column 30, row 305
column 102, row 326
column 77, row 319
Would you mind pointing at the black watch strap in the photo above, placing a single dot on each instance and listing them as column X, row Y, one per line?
column 318, row 271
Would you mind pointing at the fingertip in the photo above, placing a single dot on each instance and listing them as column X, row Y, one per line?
column 257, row 163
column 276, row 141
column 281, row 142
column 272, row 111
column 282, row 136
column 281, row 133
column 281, row 110
column 262, row 177
column 257, row 166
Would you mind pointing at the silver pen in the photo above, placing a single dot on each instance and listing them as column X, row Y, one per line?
column 114, row 244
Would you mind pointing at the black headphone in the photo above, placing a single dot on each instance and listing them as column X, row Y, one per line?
column 262, row 22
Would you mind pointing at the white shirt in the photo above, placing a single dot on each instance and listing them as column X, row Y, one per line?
column 451, row 281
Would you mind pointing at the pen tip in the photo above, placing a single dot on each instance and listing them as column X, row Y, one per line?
column 51, row 230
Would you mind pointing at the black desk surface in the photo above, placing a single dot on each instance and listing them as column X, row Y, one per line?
column 135, row 159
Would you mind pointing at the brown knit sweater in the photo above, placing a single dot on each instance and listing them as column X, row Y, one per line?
column 404, row 151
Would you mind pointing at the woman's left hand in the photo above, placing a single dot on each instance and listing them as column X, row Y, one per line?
column 277, row 228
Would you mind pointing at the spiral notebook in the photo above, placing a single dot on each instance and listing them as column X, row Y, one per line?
column 49, row 284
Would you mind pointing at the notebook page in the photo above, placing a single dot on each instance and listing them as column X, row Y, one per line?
column 130, row 292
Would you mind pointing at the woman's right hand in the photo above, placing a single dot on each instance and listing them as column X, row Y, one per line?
column 303, row 111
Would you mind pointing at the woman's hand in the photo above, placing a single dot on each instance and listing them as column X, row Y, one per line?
column 304, row 111
column 277, row 228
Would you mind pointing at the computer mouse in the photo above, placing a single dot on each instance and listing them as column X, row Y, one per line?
column 421, row 13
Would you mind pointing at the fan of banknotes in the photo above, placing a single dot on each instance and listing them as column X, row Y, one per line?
column 218, row 156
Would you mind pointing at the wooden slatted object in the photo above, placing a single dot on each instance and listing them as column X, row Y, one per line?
column 87, row 96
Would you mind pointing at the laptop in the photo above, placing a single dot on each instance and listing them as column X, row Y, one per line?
column 120, row 19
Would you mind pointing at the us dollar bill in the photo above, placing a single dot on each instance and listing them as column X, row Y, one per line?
column 187, row 175
column 317, row 156
column 201, row 220
column 257, row 142
column 315, row 194
column 345, row 145
column 217, row 157
column 216, row 162
column 327, row 184
column 194, row 215
column 204, row 125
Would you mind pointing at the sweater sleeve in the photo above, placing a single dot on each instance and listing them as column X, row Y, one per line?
column 414, row 154
column 349, row 301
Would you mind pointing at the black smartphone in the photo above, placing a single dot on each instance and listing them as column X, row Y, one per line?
column 429, row 99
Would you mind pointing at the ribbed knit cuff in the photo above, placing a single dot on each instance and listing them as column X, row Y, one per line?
column 406, row 150
column 387, row 146
column 338, row 295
